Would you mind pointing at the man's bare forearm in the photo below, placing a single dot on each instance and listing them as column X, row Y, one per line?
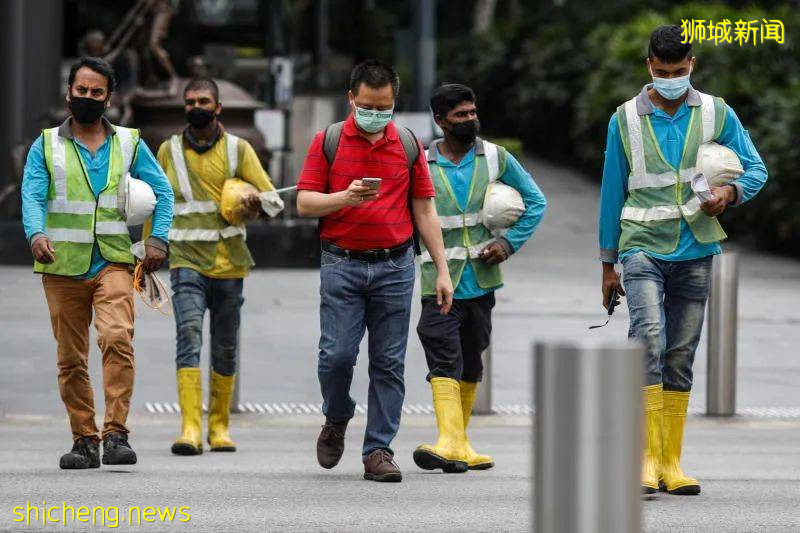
column 319, row 204
column 427, row 224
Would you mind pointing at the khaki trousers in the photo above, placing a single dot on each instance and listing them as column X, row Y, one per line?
column 71, row 302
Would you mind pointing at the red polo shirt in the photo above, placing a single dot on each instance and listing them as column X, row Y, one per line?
column 384, row 222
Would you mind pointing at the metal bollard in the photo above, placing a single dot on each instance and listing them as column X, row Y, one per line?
column 588, row 437
column 483, row 400
column 722, row 321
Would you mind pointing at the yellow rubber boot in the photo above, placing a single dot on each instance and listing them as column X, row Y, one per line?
column 448, row 453
column 219, row 413
column 190, row 398
column 475, row 461
column 675, row 481
column 653, row 414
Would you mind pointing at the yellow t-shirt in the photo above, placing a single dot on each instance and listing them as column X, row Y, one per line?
column 210, row 169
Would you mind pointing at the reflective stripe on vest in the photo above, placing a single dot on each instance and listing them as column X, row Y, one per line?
column 79, row 236
column 206, row 234
column 459, row 221
column 232, row 149
column 111, row 227
column 492, row 160
column 459, row 253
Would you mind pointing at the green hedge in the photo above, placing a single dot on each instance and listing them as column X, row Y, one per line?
column 513, row 145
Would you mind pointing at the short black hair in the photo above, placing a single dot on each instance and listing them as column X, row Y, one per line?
column 375, row 74
column 96, row 64
column 202, row 83
column 665, row 45
column 448, row 96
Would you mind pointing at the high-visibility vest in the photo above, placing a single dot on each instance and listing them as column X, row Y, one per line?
column 463, row 231
column 197, row 225
column 660, row 195
column 76, row 219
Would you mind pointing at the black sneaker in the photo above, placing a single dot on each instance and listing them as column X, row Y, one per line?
column 84, row 454
column 117, row 451
column 330, row 444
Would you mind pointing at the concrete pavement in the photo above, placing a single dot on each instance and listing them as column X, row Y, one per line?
column 749, row 471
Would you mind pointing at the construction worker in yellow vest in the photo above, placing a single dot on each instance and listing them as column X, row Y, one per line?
column 653, row 221
column 73, row 209
column 467, row 173
column 209, row 259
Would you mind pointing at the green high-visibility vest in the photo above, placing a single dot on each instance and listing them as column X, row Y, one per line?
column 660, row 195
column 197, row 225
column 463, row 231
column 75, row 218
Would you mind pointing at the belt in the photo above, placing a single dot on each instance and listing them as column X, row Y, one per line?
column 370, row 256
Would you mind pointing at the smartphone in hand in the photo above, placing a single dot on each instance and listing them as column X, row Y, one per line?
column 372, row 183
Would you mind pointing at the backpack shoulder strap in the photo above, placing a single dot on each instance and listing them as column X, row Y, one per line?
column 410, row 147
column 330, row 141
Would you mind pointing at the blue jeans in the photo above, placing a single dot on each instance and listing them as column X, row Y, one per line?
column 358, row 296
column 193, row 294
column 667, row 301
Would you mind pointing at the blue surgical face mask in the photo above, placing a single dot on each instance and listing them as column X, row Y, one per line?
column 372, row 120
column 672, row 88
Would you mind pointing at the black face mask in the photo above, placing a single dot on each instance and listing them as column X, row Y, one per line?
column 465, row 132
column 199, row 118
column 86, row 110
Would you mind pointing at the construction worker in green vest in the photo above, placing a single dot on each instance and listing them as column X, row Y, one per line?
column 479, row 186
column 73, row 202
column 209, row 259
column 656, row 225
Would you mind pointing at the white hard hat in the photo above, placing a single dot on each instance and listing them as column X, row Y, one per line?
column 502, row 206
column 719, row 164
column 140, row 201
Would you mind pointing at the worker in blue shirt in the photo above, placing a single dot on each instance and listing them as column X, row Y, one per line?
column 462, row 167
column 653, row 223
column 71, row 191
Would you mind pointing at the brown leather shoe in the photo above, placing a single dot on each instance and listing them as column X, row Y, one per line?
column 330, row 444
column 380, row 466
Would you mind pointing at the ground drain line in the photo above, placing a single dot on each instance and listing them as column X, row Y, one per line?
column 298, row 408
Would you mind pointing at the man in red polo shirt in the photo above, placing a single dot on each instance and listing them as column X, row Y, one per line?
column 367, row 272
